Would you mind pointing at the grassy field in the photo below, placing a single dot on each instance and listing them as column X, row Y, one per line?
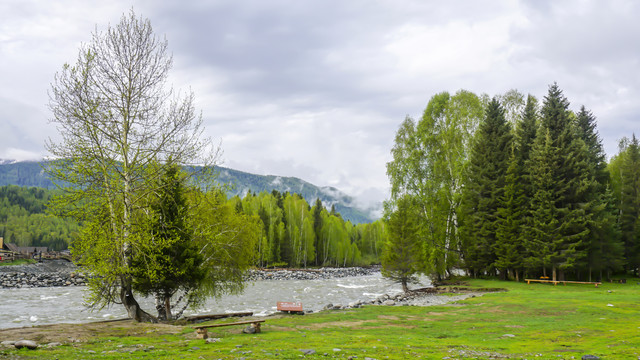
column 537, row 321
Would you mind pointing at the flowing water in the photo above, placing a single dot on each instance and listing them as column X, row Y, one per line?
column 37, row 306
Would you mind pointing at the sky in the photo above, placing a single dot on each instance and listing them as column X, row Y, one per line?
column 317, row 89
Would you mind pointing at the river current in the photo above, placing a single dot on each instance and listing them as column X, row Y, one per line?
column 38, row 306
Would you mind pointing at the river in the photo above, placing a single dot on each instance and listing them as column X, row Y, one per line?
column 39, row 306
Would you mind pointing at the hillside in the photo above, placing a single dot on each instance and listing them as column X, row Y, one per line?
column 30, row 173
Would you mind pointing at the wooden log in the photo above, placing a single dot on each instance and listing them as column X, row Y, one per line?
column 201, row 318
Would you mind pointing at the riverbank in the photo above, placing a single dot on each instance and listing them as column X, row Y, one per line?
column 48, row 273
column 536, row 321
column 63, row 273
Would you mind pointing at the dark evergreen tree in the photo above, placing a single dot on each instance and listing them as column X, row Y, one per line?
column 630, row 205
column 509, row 247
column 606, row 249
column 545, row 239
column 484, row 187
column 171, row 262
column 317, row 228
column 563, row 186
column 604, row 238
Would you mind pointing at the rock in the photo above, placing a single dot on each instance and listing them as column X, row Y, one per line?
column 590, row 357
column 389, row 303
column 308, row 351
column 508, row 336
column 249, row 330
column 212, row 340
column 7, row 343
column 54, row 344
column 26, row 344
column 329, row 306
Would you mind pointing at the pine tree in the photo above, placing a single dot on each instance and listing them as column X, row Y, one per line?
column 317, row 228
column 545, row 239
column 171, row 261
column 630, row 205
column 509, row 247
column 484, row 187
column 604, row 238
column 563, row 186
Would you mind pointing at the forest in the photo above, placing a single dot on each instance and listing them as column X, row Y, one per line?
column 509, row 187
column 293, row 233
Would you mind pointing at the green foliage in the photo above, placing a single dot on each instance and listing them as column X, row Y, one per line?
column 295, row 234
column 402, row 258
column 23, row 219
column 630, row 203
column 170, row 261
column 484, row 189
column 526, row 199
column 429, row 160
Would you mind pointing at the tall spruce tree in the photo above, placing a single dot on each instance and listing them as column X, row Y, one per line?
column 566, row 186
column 545, row 239
column 604, row 237
column 484, row 187
column 509, row 247
column 630, row 204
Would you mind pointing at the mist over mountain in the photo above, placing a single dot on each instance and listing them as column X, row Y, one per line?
column 31, row 173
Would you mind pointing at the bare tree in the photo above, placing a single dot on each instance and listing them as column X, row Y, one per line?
column 117, row 117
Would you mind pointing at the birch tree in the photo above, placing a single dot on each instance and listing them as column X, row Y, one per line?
column 116, row 116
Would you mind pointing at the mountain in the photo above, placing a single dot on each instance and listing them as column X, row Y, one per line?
column 31, row 173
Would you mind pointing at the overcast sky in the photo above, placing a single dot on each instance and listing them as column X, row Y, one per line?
column 317, row 89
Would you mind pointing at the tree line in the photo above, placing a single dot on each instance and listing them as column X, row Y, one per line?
column 507, row 186
column 23, row 219
column 291, row 233
column 295, row 234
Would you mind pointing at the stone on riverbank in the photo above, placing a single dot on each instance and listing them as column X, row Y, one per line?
column 29, row 344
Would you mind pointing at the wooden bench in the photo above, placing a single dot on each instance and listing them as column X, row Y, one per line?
column 564, row 282
column 290, row 307
column 201, row 331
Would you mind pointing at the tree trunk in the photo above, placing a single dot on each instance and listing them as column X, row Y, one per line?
column 162, row 315
column 167, row 307
column 553, row 273
column 405, row 288
column 133, row 308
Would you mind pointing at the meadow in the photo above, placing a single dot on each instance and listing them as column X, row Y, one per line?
column 537, row 321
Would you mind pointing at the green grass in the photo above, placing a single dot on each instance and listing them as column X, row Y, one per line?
column 18, row 262
column 537, row 321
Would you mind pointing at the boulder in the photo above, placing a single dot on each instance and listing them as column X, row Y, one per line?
column 29, row 344
column 389, row 302
column 249, row 330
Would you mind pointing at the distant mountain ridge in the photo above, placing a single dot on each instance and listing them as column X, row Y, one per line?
column 31, row 173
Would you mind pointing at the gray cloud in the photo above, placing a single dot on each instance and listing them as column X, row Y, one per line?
column 317, row 89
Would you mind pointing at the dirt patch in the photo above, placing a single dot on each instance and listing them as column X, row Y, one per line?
column 388, row 317
column 67, row 333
